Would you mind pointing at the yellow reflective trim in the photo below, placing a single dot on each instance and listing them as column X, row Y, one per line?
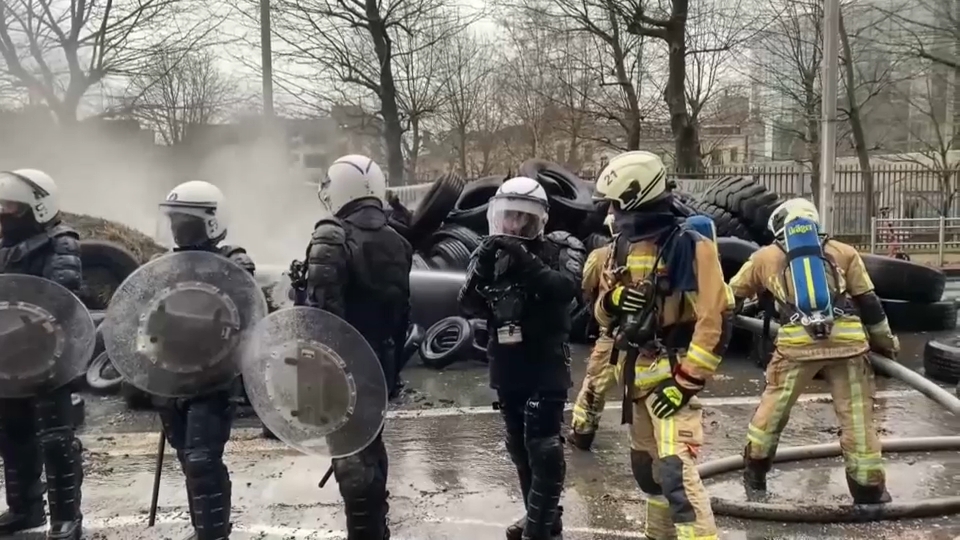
column 808, row 279
column 688, row 532
column 702, row 357
column 771, row 434
column 860, row 474
column 657, row 502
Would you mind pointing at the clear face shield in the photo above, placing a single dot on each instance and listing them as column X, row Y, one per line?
column 516, row 217
column 181, row 226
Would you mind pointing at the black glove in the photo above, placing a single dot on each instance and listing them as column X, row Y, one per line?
column 623, row 299
column 487, row 253
column 670, row 397
column 521, row 256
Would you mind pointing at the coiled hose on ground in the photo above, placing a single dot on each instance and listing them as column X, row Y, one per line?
column 794, row 512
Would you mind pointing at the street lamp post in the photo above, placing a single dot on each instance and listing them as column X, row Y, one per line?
column 828, row 126
column 266, row 59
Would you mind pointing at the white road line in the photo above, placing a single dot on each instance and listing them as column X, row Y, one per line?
column 107, row 524
column 249, row 440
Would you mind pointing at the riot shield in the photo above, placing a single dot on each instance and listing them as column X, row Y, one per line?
column 174, row 326
column 46, row 336
column 315, row 382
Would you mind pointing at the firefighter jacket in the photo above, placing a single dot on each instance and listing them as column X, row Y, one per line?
column 859, row 319
column 709, row 309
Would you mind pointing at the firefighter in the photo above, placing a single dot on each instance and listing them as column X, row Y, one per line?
column 662, row 279
column 830, row 319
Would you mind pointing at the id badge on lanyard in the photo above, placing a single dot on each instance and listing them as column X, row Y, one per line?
column 509, row 334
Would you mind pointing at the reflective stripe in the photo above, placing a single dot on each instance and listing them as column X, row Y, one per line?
column 862, row 462
column 667, row 445
column 844, row 330
column 731, row 300
column 658, row 501
column 652, row 374
column 641, row 264
column 882, row 328
column 688, row 532
column 766, row 439
column 702, row 357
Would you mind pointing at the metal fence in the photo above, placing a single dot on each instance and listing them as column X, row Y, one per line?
column 907, row 190
column 936, row 236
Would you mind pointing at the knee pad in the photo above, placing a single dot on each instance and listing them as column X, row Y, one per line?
column 671, row 480
column 200, row 462
column 641, row 463
column 58, row 438
column 546, row 455
column 357, row 478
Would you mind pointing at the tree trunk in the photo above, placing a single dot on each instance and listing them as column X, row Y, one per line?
column 462, row 137
column 856, row 125
column 685, row 133
column 413, row 158
column 629, row 91
column 392, row 129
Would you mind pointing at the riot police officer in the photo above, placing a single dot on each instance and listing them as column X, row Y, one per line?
column 198, row 427
column 36, row 433
column 522, row 283
column 358, row 268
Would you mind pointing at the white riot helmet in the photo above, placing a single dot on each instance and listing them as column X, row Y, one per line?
column 792, row 208
column 29, row 191
column 633, row 179
column 349, row 179
column 518, row 209
column 192, row 215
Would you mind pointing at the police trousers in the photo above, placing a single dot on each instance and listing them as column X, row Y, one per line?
column 198, row 429
column 663, row 456
column 601, row 376
column 533, row 421
column 852, row 385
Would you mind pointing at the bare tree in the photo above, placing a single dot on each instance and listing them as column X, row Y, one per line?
column 356, row 43
column 422, row 75
column 59, row 50
column 527, row 83
column 176, row 93
column 470, row 64
column 486, row 145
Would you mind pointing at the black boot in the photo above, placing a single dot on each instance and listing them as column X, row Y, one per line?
column 63, row 459
column 583, row 441
column 868, row 494
column 515, row 531
column 210, row 511
column 755, row 471
column 24, row 505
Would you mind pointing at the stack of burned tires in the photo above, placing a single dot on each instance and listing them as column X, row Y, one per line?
column 450, row 220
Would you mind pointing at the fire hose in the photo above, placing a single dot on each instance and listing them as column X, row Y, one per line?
column 796, row 512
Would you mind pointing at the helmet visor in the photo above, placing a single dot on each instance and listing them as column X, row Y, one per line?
column 183, row 226
column 13, row 208
column 520, row 218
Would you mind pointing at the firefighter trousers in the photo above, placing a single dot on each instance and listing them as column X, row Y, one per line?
column 851, row 383
column 600, row 377
column 663, row 460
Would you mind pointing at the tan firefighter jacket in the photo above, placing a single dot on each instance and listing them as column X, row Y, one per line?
column 765, row 271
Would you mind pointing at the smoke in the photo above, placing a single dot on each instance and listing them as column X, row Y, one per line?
column 114, row 171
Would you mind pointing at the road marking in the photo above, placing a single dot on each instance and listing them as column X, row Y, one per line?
column 250, row 440
column 179, row 518
column 706, row 401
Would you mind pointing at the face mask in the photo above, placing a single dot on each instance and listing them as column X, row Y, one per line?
column 188, row 230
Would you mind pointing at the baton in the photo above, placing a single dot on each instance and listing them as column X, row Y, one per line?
column 326, row 476
column 161, row 447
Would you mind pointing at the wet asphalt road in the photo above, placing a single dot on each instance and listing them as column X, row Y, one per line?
column 450, row 477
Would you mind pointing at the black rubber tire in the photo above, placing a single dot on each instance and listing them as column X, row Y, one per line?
column 97, row 381
column 436, row 204
column 471, row 208
column 464, row 235
column 941, row 359
column 581, row 323
column 920, row 317
column 455, row 256
column 136, row 399
column 570, row 198
column 481, row 336
column 727, row 224
column 78, row 410
column 111, row 263
column 733, row 253
column 449, row 340
column 412, row 343
column 433, row 296
column 748, row 200
column 903, row 280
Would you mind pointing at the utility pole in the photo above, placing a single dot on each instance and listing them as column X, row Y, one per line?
column 266, row 59
column 828, row 126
